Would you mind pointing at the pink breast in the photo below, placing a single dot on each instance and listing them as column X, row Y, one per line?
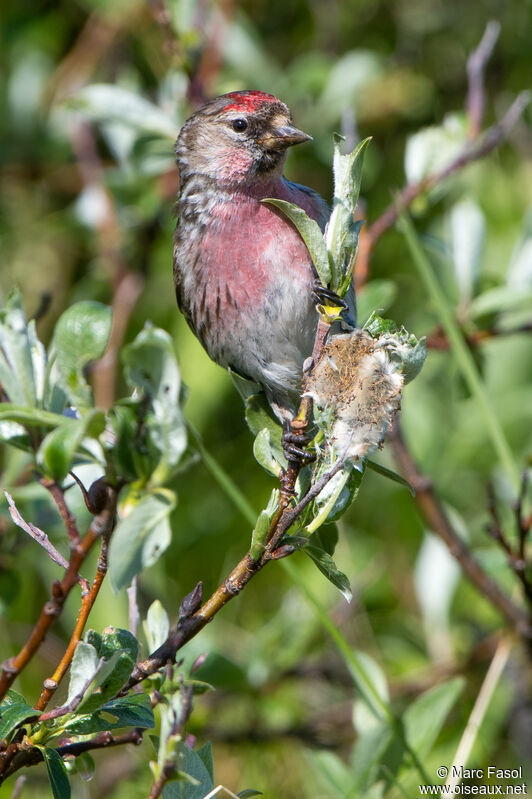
column 249, row 251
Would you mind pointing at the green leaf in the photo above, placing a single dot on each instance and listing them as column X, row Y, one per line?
column 156, row 625
column 390, row 475
column 248, row 793
column 110, row 663
column 342, row 231
column 425, row 717
column 259, row 535
column 150, row 365
column 19, row 348
column 311, row 234
column 57, row 773
column 326, row 538
column 141, row 536
column 104, row 102
column 59, row 447
column 191, row 763
column 328, row 567
column 112, row 675
column 263, row 452
column 332, row 501
column 377, row 326
column 131, row 711
column 116, row 639
column 12, row 714
column 375, row 296
column 205, row 755
column 81, row 335
column 83, row 668
column 258, row 417
column 29, row 417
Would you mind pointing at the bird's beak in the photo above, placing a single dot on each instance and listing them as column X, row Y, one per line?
column 283, row 136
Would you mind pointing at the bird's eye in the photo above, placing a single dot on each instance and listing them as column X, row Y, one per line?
column 239, row 125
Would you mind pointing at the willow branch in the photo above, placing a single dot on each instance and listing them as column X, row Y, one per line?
column 476, row 67
column 103, row 740
column 431, row 508
column 87, row 602
column 473, row 151
column 53, row 608
column 35, row 532
column 58, row 496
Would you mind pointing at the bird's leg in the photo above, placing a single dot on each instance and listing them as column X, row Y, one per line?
column 293, row 445
column 324, row 296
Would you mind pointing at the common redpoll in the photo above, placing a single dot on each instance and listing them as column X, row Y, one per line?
column 244, row 278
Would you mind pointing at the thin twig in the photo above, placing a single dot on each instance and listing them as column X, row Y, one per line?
column 60, row 590
column 58, row 495
column 476, row 67
column 87, row 602
column 35, row 532
column 73, row 705
column 103, row 740
column 439, row 524
column 473, row 151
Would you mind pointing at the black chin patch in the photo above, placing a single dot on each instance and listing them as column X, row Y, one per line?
column 269, row 160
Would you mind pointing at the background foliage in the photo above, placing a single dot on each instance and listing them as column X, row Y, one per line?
column 87, row 185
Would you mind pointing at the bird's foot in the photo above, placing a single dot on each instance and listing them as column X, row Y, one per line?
column 293, row 446
column 324, row 296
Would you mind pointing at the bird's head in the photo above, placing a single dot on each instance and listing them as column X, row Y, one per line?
column 237, row 137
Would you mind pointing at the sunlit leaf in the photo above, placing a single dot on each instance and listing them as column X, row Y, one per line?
column 342, row 231
column 141, row 536
column 150, row 365
column 80, row 337
column 19, row 348
column 156, row 625
column 311, row 234
column 131, row 711
column 57, row 450
column 263, row 452
column 83, row 668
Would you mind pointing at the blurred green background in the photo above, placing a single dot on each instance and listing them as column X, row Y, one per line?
column 86, row 211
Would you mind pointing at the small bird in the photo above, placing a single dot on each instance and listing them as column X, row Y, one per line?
column 244, row 278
